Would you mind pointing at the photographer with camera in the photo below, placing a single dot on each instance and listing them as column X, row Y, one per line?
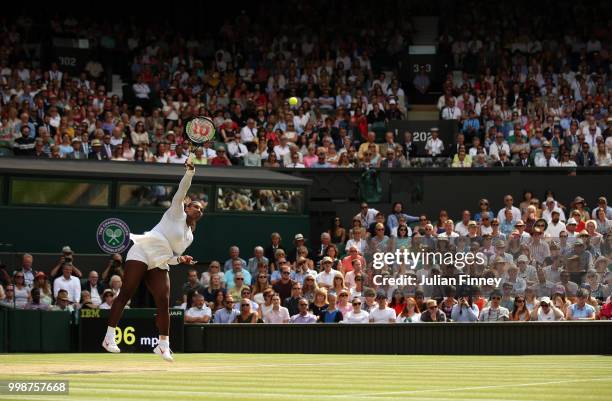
column 114, row 268
column 67, row 257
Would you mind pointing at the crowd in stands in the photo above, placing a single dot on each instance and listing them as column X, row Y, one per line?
column 553, row 262
column 554, row 90
column 535, row 91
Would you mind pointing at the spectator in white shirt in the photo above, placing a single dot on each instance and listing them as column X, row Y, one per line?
column 382, row 314
column 367, row 215
column 552, row 206
column 546, row 158
column 69, row 283
column 236, row 149
column 283, row 148
column 555, row 226
column 498, row 146
column 326, row 277
column 451, row 112
column 277, row 314
column 179, row 157
column 141, row 89
column 434, row 146
column 248, row 133
column 508, row 202
column 199, row 312
column 356, row 315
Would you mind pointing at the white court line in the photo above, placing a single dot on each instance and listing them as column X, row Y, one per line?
column 468, row 388
column 318, row 396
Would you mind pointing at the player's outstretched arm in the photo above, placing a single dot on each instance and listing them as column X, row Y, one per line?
column 177, row 206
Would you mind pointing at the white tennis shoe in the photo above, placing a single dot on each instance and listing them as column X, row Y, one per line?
column 109, row 345
column 165, row 353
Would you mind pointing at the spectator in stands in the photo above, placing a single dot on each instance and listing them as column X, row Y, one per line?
column 27, row 270
column 545, row 311
column 214, row 268
column 68, row 282
column 9, row 297
column 494, row 311
column 192, row 286
column 21, row 292
column 357, row 315
column 581, row 310
column 291, row 302
column 246, row 315
column 237, row 270
column 277, row 314
column 42, row 284
column 465, row 310
column 94, row 287
column 199, row 312
column 227, row 314
column 62, row 302
column 303, row 316
column 433, row 313
column 383, row 313
column 434, row 146
column 285, row 285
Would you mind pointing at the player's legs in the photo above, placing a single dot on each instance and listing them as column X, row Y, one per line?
column 134, row 272
column 158, row 282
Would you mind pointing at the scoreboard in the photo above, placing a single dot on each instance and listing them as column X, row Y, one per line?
column 136, row 331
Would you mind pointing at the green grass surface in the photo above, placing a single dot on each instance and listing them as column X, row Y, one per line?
column 315, row 377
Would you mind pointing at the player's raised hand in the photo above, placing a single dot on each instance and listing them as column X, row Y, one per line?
column 189, row 163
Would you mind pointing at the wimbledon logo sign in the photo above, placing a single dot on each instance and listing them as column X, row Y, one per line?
column 113, row 235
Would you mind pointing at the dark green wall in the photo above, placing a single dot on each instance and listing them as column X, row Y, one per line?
column 504, row 338
column 48, row 229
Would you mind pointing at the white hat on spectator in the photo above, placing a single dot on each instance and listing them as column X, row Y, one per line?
column 66, row 249
column 298, row 237
column 550, row 199
column 571, row 221
column 392, row 101
column 545, row 300
column 523, row 258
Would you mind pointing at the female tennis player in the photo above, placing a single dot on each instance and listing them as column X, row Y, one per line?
column 150, row 258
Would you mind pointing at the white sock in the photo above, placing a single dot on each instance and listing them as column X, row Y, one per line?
column 164, row 343
column 110, row 333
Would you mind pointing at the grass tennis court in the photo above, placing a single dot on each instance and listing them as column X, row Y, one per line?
column 315, row 377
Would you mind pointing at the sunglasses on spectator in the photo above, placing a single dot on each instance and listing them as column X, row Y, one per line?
column 262, row 277
column 432, row 307
column 498, row 298
column 244, row 305
column 356, row 303
column 284, row 272
column 343, row 295
column 239, row 278
column 520, row 301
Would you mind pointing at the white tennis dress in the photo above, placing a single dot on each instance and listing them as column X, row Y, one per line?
column 161, row 247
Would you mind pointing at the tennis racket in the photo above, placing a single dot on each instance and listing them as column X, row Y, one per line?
column 199, row 130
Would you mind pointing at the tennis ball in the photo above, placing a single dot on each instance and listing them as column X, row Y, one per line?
column 293, row 101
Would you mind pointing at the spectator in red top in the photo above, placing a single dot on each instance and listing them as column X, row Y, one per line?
column 221, row 159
